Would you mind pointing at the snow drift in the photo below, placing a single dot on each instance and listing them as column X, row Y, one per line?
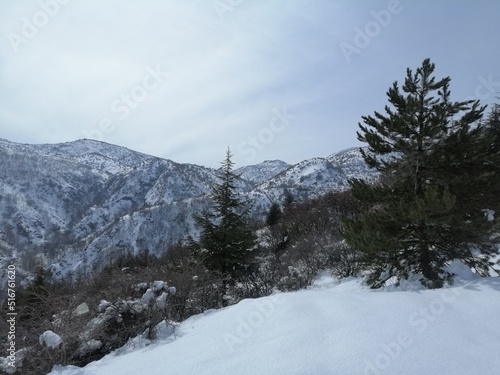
column 332, row 328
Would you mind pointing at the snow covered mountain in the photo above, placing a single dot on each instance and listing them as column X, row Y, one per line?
column 77, row 205
column 317, row 176
column 262, row 172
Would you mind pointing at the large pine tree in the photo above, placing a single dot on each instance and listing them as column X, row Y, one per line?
column 226, row 245
column 436, row 181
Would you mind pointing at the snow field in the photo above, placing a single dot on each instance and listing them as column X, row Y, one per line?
column 332, row 328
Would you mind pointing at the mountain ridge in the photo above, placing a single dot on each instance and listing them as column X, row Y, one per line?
column 76, row 205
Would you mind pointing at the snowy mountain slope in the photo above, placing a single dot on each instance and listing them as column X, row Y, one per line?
column 332, row 328
column 100, row 156
column 42, row 195
column 77, row 204
column 317, row 176
column 67, row 201
column 262, row 172
column 352, row 164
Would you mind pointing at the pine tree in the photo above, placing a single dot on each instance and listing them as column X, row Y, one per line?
column 274, row 214
column 289, row 199
column 490, row 141
column 227, row 242
column 492, row 129
column 427, row 208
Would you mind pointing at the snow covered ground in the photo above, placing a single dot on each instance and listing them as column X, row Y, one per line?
column 332, row 328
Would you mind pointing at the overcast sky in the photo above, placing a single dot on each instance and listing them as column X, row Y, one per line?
column 271, row 79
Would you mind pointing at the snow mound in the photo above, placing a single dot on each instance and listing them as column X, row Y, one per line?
column 461, row 272
column 50, row 339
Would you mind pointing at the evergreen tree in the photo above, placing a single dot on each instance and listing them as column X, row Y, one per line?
column 274, row 214
column 227, row 242
column 492, row 129
column 491, row 146
column 288, row 201
column 428, row 207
